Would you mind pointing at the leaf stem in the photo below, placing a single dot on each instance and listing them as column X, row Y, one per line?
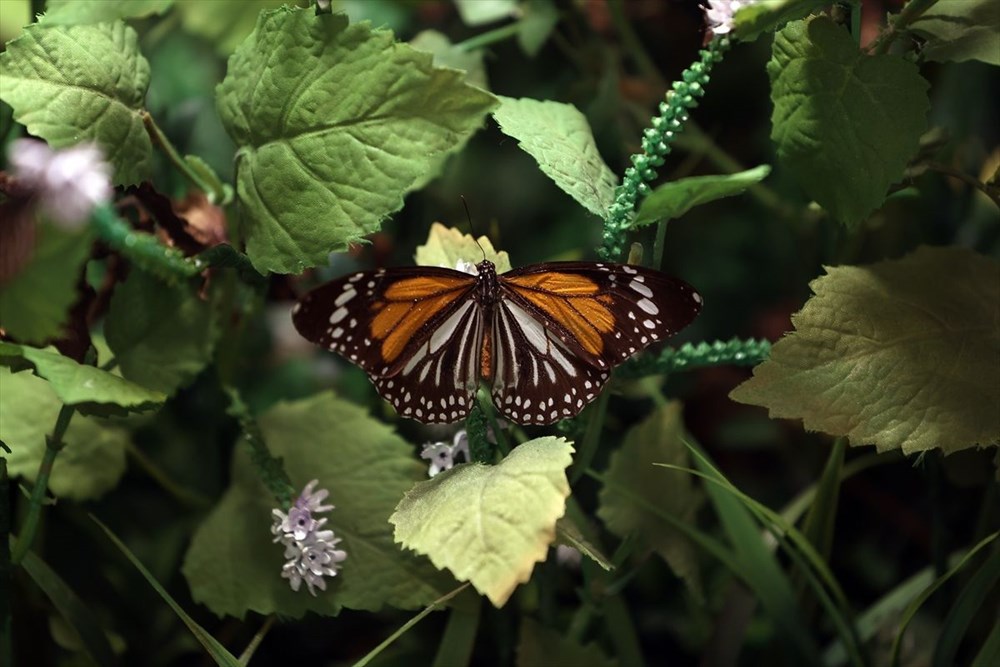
column 53, row 445
column 487, row 38
column 160, row 140
column 994, row 195
column 897, row 24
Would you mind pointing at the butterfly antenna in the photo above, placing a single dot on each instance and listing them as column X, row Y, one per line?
column 471, row 227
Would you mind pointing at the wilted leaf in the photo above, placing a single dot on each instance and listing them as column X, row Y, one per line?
column 674, row 199
column 71, row 84
column 161, row 335
column 232, row 565
column 631, row 475
column 558, row 136
column 544, row 647
column 958, row 30
column 900, row 354
column 446, row 245
column 89, row 389
column 489, row 525
column 93, row 459
column 845, row 124
column 35, row 303
column 319, row 169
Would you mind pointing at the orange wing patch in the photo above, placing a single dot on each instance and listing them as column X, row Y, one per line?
column 572, row 301
column 408, row 305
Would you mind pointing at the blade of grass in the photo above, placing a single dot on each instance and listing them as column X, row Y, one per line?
column 71, row 607
column 969, row 601
column 622, row 632
column 409, row 624
column 455, row 649
column 989, row 655
column 211, row 645
column 915, row 605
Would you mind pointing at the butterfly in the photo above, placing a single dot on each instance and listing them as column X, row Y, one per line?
column 544, row 336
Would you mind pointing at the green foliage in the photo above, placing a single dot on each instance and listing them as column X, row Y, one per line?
column 161, row 336
column 489, row 525
column 479, row 12
column 558, row 137
column 225, row 23
column 75, row 12
column 94, row 457
column 845, row 124
column 349, row 158
column 69, row 84
column 754, row 19
column 89, row 389
column 674, row 199
column 447, row 54
column 658, row 439
column 958, row 30
column 35, row 302
column 233, row 567
column 927, row 321
column 539, row 645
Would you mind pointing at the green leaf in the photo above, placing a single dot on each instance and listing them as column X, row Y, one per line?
column 754, row 19
column 446, row 246
column 657, row 439
column 674, row 199
column 89, row 389
column 73, row 12
column 479, row 12
column 958, row 30
column 219, row 654
column 233, row 567
column 558, row 136
column 489, row 525
column 35, row 302
column 570, row 535
column 93, row 459
column 447, row 55
column 965, row 610
column 348, row 159
column 161, row 335
column 225, row 23
column 537, row 23
column 845, row 124
column 900, row 354
column 540, row 646
column 70, row 84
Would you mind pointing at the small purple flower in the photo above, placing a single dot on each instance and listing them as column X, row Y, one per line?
column 310, row 553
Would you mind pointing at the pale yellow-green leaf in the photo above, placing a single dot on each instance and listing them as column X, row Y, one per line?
column 489, row 525
column 634, row 485
column 446, row 246
column 901, row 354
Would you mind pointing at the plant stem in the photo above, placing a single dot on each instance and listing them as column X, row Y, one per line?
column 53, row 445
column 487, row 38
column 913, row 10
column 965, row 178
column 160, row 139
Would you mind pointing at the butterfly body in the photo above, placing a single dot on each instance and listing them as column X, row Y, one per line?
column 545, row 337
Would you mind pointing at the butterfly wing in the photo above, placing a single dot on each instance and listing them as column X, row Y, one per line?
column 415, row 331
column 562, row 326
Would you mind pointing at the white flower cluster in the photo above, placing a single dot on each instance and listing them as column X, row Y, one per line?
column 442, row 454
column 719, row 14
column 67, row 184
column 310, row 552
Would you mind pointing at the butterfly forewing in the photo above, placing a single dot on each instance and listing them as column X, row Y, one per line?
column 413, row 330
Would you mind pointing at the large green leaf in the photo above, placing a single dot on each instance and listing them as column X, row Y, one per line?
column 35, row 302
column 446, row 246
column 93, row 459
column 232, row 565
column 335, row 123
column 89, row 389
column 558, row 136
column 657, row 439
column 845, row 124
column 70, row 84
column 958, row 30
column 161, row 335
column 899, row 354
column 489, row 525
column 674, row 199
column 71, row 12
